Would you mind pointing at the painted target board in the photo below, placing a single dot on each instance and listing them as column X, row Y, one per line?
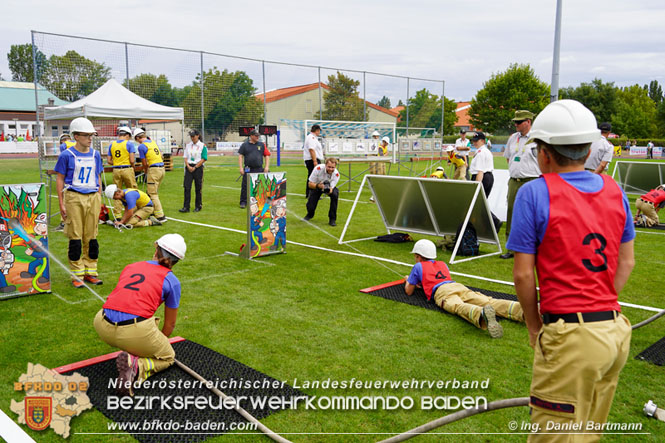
column 266, row 214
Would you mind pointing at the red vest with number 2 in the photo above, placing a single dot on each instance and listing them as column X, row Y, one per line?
column 434, row 272
column 139, row 289
column 577, row 260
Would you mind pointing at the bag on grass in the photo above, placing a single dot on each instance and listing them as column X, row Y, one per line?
column 395, row 237
column 469, row 245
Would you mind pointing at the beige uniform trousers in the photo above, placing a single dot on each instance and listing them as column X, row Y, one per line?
column 576, row 367
column 81, row 224
column 648, row 210
column 460, row 173
column 123, row 178
column 141, row 217
column 154, row 178
column 143, row 339
column 463, row 302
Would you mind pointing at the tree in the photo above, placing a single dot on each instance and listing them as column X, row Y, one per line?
column 425, row 112
column 20, row 63
column 153, row 88
column 229, row 102
column 341, row 101
column 495, row 104
column 72, row 76
column 636, row 113
column 600, row 98
column 384, row 102
column 660, row 119
column 400, row 102
column 655, row 91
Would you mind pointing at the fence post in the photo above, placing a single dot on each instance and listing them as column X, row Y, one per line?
column 364, row 99
column 265, row 105
column 34, row 75
column 320, row 100
column 203, row 125
column 443, row 107
column 127, row 65
column 407, row 106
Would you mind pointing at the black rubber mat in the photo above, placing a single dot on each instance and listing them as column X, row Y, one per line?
column 210, row 365
column 660, row 226
column 654, row 353
column 396, row 293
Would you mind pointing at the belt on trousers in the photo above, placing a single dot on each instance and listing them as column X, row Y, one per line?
column 647, row 201
column 121, row 167
column 125, row 322
column 192, row 164
column 156, row 166
column 525, row 179
column 588, row 317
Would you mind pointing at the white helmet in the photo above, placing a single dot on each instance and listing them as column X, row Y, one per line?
column 137, row 132
column 661, row 187
column 425, row 248
column 385, row 140
column 174, row 244
column 64, row 135
column 449, row 149
column 440, row 168
column 376, row 134
column 110, row 191
column 126, row 129
column 82, row 124
column 565, row 122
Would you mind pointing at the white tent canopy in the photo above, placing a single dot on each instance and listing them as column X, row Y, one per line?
column 112, row 100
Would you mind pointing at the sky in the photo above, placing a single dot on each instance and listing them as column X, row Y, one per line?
column 460, row 42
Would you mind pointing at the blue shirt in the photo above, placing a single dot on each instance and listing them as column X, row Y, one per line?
column 531, row 211
column 81, row 170
column 170, row 297
column 131, row 196
column 416, row 277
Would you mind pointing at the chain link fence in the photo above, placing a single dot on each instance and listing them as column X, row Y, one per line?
column 219, row 93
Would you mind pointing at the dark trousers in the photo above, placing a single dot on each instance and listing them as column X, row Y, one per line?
column 197, row 178
column 310, row 167
column 313, row 201
column 488, row 183
column 243, row 188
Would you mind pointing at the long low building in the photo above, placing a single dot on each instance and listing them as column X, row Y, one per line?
column 18, row 112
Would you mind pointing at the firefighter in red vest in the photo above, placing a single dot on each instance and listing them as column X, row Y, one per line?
column 126, row 320
column 476, row 308
column 575, row 228
column 648, row 205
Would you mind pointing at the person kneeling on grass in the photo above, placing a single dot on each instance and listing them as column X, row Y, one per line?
column 476, row 308
column 138, row 207
column 126, row 320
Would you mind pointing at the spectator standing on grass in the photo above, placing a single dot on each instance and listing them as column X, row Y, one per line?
column 312, row 153
column 650, row 149
column 600, row 154
column 476, row 308
column 153, row 167
column 127, row 321
column 251, row 157
column 462, row 149
column 575, row 229
column 323, row 180
column 195, row 155
column 78, row 186
column 522, row 163
column 482, row 169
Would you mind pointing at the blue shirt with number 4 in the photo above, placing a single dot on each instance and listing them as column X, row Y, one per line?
column 81, row 170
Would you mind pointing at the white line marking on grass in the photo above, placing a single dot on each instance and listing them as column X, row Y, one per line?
column 72, row 302
column 387, row 260
column 10, row 431
column 649, row 232
column 288, row 193
column 239, row 271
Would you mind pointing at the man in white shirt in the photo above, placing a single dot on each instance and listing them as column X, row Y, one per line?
column 462, row 149
column 482, row 167
column 312, row 153
column 195, row 155
column 522, row 164
column 323, row 179
column 601, row 151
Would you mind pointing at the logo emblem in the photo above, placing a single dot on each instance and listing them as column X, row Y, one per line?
column 38, row 412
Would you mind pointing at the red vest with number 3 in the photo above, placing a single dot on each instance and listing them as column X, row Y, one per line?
column 577, row 260
column 434, row 272
column 139, row 289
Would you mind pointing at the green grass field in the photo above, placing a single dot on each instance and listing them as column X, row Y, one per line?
column 300, row 315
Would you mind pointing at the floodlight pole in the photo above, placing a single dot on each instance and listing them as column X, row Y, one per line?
column 203, row 125
column 554, row 94
column 265, row 108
